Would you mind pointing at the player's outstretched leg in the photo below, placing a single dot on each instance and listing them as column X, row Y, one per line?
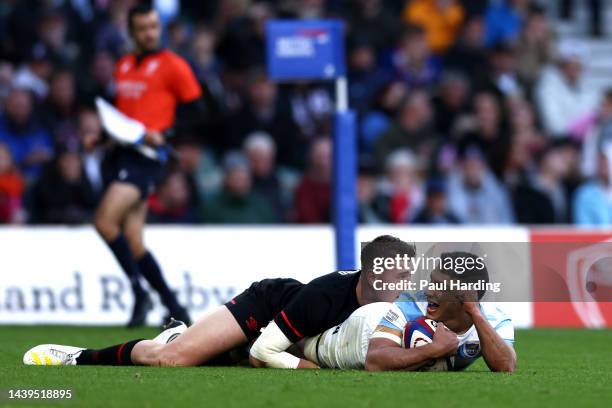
column 55, row 354
column 211, row 336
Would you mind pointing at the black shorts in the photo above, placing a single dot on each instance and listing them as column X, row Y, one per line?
column 260, row 303
column 126, row 165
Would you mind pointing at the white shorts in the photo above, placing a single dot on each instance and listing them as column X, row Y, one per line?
column 346, row 346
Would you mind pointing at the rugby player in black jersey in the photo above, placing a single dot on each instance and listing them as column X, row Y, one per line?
column 288, row 309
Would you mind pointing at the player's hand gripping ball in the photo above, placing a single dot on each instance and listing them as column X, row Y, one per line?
column 419, row 332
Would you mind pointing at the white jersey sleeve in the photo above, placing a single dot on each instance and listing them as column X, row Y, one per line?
column 469, row 344
column 404, row 309
column 346, row 345
column 393, row 318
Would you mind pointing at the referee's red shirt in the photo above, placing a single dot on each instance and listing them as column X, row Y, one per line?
column 149, row 90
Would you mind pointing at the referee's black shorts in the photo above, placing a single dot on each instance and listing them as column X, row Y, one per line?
column 260, row 303
column 126, row 165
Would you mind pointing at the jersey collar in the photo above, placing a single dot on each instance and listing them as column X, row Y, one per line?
column 138, row 58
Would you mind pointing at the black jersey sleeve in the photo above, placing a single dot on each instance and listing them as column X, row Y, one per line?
column 319, row 305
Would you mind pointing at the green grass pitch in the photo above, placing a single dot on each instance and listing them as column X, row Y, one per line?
column 556, row 368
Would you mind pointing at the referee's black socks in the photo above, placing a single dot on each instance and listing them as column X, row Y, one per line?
column 123, row 254
column 149, row 268
column 119, row 355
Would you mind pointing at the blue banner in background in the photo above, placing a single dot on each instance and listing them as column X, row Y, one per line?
column 305, row 49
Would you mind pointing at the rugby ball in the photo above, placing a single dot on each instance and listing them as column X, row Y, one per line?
column 419, row 332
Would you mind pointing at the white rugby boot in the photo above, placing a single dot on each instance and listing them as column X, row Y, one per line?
column 52, row 355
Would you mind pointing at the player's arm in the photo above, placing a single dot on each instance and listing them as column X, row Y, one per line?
column 385, row 351
column 303, row 316
column 269, row 350
column 497, row 353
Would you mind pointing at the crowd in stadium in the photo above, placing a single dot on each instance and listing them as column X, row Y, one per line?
column 469, row 111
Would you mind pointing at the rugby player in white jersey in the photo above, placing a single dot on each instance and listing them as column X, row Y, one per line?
column 371, row 337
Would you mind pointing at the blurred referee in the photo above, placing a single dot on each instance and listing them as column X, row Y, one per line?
column 150, row 83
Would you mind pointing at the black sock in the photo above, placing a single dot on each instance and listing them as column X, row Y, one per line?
column 119, row 355
column 149, row 268
column 123, row 254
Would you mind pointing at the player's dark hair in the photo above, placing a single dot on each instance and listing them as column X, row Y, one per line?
column 471, row 272
column 384, row 246
column 138, row 10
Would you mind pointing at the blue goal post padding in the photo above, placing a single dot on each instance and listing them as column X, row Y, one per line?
column 345, row 188
column 305, row 49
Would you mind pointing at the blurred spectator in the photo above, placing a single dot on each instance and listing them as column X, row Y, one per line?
column 99, row 81
column 208, row 70
column 542, row 198
column 573, row 178
column 400, row 194
column 30, row 145
column 63, row 195
column 436, row 209
column 203, row 54
column 366, row 195
column 375, row 21
column 311, row 109
column 475, row 195
column 561, row 94
column 592, row 204
column 450, row 102
column 384, row 109
column 179, row 37
column 413, row 62
column 412, row 129
column 112, row 33
column 312, row 198
column 90, row 132
column 52, row 31
column 236, row 203
column 264, row 112
column 432, row 76
column 60, row 110
column 526, row 140
column 468, row 54
column 502, row 77
column 171, row 201
column 475, row 7
column 11, row 188
column 595, row 14
column 34, row 74
column 504, row 19
column 365, row 77
column 598, row 135
column 260, row 151
column 441, row 19
column 243, row 43
column 199, row 167
column 486, row 130
column 535, row 48
column 7, row 72
column 309, row 9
